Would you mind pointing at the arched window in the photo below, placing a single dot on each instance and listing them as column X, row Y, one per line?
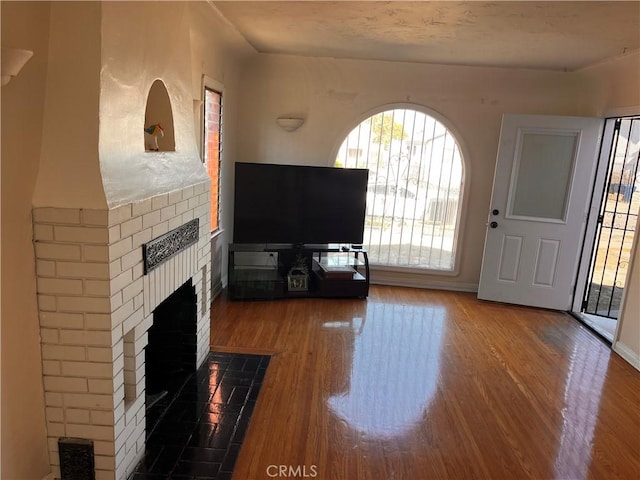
column 415, row 188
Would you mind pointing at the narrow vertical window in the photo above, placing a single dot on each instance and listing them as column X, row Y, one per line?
column 213, row 149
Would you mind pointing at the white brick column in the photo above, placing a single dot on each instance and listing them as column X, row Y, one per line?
column 95, row 309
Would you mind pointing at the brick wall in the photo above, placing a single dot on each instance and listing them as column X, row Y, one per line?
column 95, row 307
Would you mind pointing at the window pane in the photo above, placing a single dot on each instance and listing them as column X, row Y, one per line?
column 414, row 191
column 212, row 149
column 544, row 170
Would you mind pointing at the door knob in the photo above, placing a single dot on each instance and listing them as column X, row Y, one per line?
column 495, row 211
column 493, row 224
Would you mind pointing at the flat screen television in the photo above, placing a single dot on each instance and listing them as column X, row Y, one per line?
column 299, row 205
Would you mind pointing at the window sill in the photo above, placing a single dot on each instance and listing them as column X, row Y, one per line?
column 217, row 233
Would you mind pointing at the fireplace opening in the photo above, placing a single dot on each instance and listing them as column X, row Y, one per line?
column 170, row 357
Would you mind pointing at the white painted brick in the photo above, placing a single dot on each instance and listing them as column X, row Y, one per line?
column 116, row 302
column 97, row 432
column 100, row 386
column 114, row 233
column 81, row 234
column 175, row 197
column 46, row 268
column 105, row 475
column 100, row 354
column 94, row 338
column 175, row 222
column 97, row 287
column 118, row 364
column 42, row 232
column 194, row 203
column 122, row 313
column 137, row 271
column 88, row 369
column 104, row 462
column 187, row 193
column 98, row 321
column 84, row 304
column 55, row 429
column 133, row 320
column 202, row 211
column 56, row 215
column 122, row 280
column 54, row 414
column 182, row 207
column 187, row 216
column 137, row 301
column 59, row 286
column 65, row 384
column 104, row 448
column 120, row 214
column 78, row 415
column 95, row 253
column 130, row 259
column 115, row 267
column 120, row 248
column 141, row 238
column 204, row 198
column 53, row 399
column 51, row 367
column 160, row 201
column 53, row 444
column 94, row 217
column 47, row 303
column 56, row 251
column 199, row 188
column 160, row 229
column 49, row 335
column 141, row 207
column 61, row 320
column 130, row 291
column 130, row 227
column 88, row 400
column 167, row 212
column 150, row 219
column 83, row 270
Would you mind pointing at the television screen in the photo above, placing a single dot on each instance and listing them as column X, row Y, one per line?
column 299, row 204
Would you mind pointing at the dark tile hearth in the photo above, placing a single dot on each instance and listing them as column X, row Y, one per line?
column 198, row 436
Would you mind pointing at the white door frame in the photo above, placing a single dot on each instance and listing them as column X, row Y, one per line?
column 598, row 193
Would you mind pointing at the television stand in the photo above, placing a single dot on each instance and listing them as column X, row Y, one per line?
column 261, row 271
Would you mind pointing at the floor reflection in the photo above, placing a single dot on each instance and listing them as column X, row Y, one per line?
column 394, row 369
column 583, row 389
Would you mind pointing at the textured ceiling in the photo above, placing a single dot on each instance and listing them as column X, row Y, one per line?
column 546, row 35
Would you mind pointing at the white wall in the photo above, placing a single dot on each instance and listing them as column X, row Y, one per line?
column 141, row 42
column 55, row 124
column 219, row 52
column 617, row 83
column 334, row 95
column 24, row 448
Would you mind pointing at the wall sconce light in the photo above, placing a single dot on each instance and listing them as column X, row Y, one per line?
column 13, row 59
column 289, row 124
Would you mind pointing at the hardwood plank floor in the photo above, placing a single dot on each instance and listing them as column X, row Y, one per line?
column 424, row 384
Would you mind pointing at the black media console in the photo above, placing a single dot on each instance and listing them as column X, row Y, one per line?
column 269, row 271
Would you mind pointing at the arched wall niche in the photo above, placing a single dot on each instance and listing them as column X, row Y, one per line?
column 158, row 120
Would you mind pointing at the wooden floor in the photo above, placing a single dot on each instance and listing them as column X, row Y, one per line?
column 423, row 384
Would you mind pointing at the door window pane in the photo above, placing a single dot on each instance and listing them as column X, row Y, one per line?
column 544, row 167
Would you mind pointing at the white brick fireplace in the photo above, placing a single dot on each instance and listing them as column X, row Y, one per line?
column 96, row 305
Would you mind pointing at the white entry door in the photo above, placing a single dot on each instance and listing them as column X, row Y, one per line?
column 541, row 192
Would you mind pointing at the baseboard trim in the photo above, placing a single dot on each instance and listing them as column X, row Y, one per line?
column 627, row 354
column 379, row 279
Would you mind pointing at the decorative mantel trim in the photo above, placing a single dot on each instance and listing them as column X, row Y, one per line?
column 162, row 248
